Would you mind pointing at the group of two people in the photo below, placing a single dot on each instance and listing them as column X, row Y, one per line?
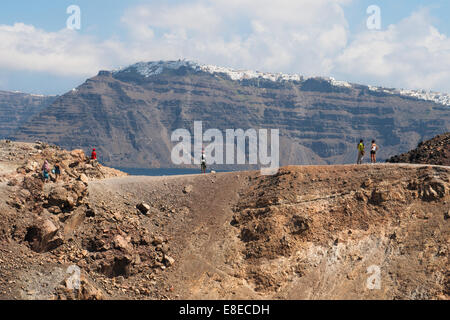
column 46, row 171
column 362, row 151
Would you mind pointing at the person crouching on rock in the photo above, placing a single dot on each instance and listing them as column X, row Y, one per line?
column 45, row 171
column 94, row 161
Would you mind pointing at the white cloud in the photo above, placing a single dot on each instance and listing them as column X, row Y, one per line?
column 266, row 35
column 23, row 47
column 411, row 54
column 305, row 36
column 310, row 37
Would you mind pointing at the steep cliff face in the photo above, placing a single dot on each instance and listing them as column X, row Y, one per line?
column 130, row 114
column 16, row 108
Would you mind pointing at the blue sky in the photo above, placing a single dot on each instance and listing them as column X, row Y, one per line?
column 39, row 54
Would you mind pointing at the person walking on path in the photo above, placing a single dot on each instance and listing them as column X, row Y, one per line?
column 203, row 161
column 373, row 152
column 361, row 151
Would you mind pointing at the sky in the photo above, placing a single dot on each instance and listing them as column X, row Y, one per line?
column 400, row 44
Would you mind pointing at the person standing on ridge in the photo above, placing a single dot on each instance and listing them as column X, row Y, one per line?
column 373, row 152
column 361, row 151
column 203, row 161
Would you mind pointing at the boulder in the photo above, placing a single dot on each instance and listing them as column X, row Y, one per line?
column 43, row 236
column 122, row 244
column 80, row 189
column 58, row 197
column 168, row 261
column 70, row 202
column 48, row 229
column 31, row 166
column 143, row 208
column 54, row 210
column 83, row 178
column 378, row 196
column 67, row 196
column 89, row 291
column 86, row 291
column 74, row 221
column 78, row 154
column 115, row 265
column 157, row 240
column 432, row 190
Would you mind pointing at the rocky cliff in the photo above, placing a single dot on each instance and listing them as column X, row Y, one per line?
column 130, row 114
column 17, row 108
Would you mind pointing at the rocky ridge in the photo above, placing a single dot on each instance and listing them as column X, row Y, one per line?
column 61, row 228
column 434, row 151
column 308, row 232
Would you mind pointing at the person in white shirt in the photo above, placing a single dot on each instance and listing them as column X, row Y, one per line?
column 373, row 152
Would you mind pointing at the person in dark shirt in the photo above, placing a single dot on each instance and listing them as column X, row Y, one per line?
column 57, row 171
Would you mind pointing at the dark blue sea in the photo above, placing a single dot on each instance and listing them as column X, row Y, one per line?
column 163, row 171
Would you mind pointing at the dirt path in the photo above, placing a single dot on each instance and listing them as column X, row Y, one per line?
column 198, row 227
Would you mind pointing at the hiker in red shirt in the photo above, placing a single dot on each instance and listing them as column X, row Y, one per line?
column 94, row 161
column 93, row 155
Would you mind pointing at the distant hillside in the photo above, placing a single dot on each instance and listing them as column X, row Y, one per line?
column 435, row 151
column 16, row 108
column 129, row 115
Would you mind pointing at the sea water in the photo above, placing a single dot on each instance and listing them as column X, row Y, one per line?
column 164, row 171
